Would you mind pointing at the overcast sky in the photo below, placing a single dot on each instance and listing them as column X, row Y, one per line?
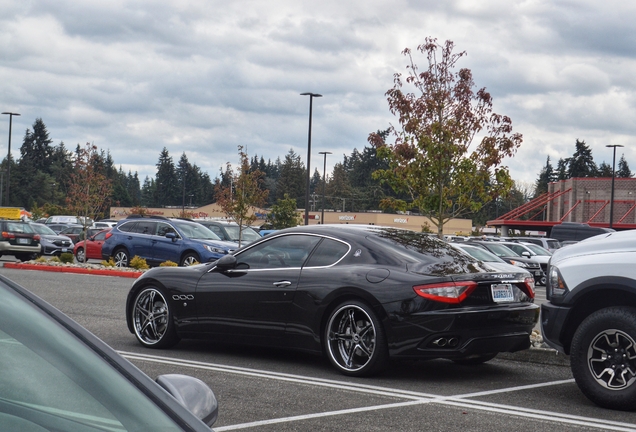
column 204, row 76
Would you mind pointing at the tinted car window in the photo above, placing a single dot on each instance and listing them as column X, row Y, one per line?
column 284, row 251
column 420, row 252
column 18, row 227
column 164, row 228
column 127, row 227
column 195, row 231
column 327, row 253
column 146, row 227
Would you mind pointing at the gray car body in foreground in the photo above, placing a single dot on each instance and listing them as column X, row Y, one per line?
column 58, row 376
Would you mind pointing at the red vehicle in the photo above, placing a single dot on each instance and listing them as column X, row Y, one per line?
column 93, row 247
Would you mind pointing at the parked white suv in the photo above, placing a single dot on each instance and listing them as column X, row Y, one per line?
column 591, row 315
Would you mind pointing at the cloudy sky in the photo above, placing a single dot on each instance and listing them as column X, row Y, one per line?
column 204, row 76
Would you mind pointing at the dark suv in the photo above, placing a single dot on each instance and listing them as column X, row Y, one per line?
column 19, row 239
column 158, row 239
column 591, row 315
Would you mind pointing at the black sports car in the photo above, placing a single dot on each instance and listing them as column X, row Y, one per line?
column 360, row 294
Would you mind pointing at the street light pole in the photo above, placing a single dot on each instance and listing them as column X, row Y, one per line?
column 311, row 98
column 613, row 176
column 10, row 114
column 324, row 182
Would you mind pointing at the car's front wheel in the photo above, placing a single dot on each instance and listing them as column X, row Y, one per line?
column 189, row 259
column 354, row 340
column 121, row 257
column 152, row 319
column 80, row 256
column 603, row 357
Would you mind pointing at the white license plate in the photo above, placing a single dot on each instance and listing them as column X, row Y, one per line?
column 23, row 241
column 538, row 273
column 502, row 293
column 64, row 250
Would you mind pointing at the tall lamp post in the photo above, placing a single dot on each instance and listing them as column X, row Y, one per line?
column 324, row 182
column 311, row 98
column 10, row 114
column 613, row 176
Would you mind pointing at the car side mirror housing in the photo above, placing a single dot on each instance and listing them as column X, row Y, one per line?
column 172, row 236
column 193, row 394
column 526, row 254
column 226, row 263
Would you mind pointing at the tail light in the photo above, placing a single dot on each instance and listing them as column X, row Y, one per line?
column 8, row 235
column 36, row 237
column 528, row 285
column 108, row 235
column 447, row 292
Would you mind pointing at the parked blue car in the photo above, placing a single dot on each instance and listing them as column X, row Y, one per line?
column 158, row 239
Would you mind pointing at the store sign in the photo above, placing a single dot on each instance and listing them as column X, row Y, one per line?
column 347, row 218
column 401, row 220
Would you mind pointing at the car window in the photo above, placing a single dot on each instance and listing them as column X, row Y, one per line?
column 164, row 228
column 101, row 236
column 17, row 227
column 279, row 252
column 127, row 227
column 327, row 253
column 216, row 230
column 501, row 250
column 248, row 233
column 42, row 229
column 195, row 230
column 52, row 381
column 146, row 227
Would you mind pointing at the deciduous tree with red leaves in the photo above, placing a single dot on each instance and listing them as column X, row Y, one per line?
column 449, row 145
column 89, row 188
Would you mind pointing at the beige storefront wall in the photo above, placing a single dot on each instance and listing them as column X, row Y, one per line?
column 410, row 222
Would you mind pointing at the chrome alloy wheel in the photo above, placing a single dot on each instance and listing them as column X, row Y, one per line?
column 611, row 357
column 351, row 338
column 150, row 316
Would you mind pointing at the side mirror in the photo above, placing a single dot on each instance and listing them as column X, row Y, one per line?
column 172, row 236
column 226, row 263
column 526, row 254
column 193, row 394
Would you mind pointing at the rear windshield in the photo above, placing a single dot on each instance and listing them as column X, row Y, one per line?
column 422, row 253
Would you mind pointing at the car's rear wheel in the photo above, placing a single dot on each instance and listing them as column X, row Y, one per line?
column 603, row 357
column 121, row 257
column 80, row 256
column 354, row 340
column 152, row 319
column 189, row 259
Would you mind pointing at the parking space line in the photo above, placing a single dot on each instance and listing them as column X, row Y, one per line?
column 416, row 398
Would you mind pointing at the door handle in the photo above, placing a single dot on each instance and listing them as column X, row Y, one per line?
column 282, row 284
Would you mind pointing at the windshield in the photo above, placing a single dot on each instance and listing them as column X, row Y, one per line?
column 52, row 380
column 538, row 250
column 421, row 253
column 195, row 230
column 481, row 254
column 501, row 250
column 248, row 233
column 43, row 229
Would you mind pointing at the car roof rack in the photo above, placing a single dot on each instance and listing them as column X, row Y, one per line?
column 139, row 216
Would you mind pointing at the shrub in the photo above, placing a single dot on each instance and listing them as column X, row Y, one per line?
column 109, row 263
column 41, row 259
column 138, row 263
column 168, row 264
column 67, row 258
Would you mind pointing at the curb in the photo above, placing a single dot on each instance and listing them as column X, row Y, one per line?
column 76, row 270
column 547, row 356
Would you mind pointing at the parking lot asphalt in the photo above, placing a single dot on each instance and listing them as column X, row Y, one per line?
column 536, row 354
